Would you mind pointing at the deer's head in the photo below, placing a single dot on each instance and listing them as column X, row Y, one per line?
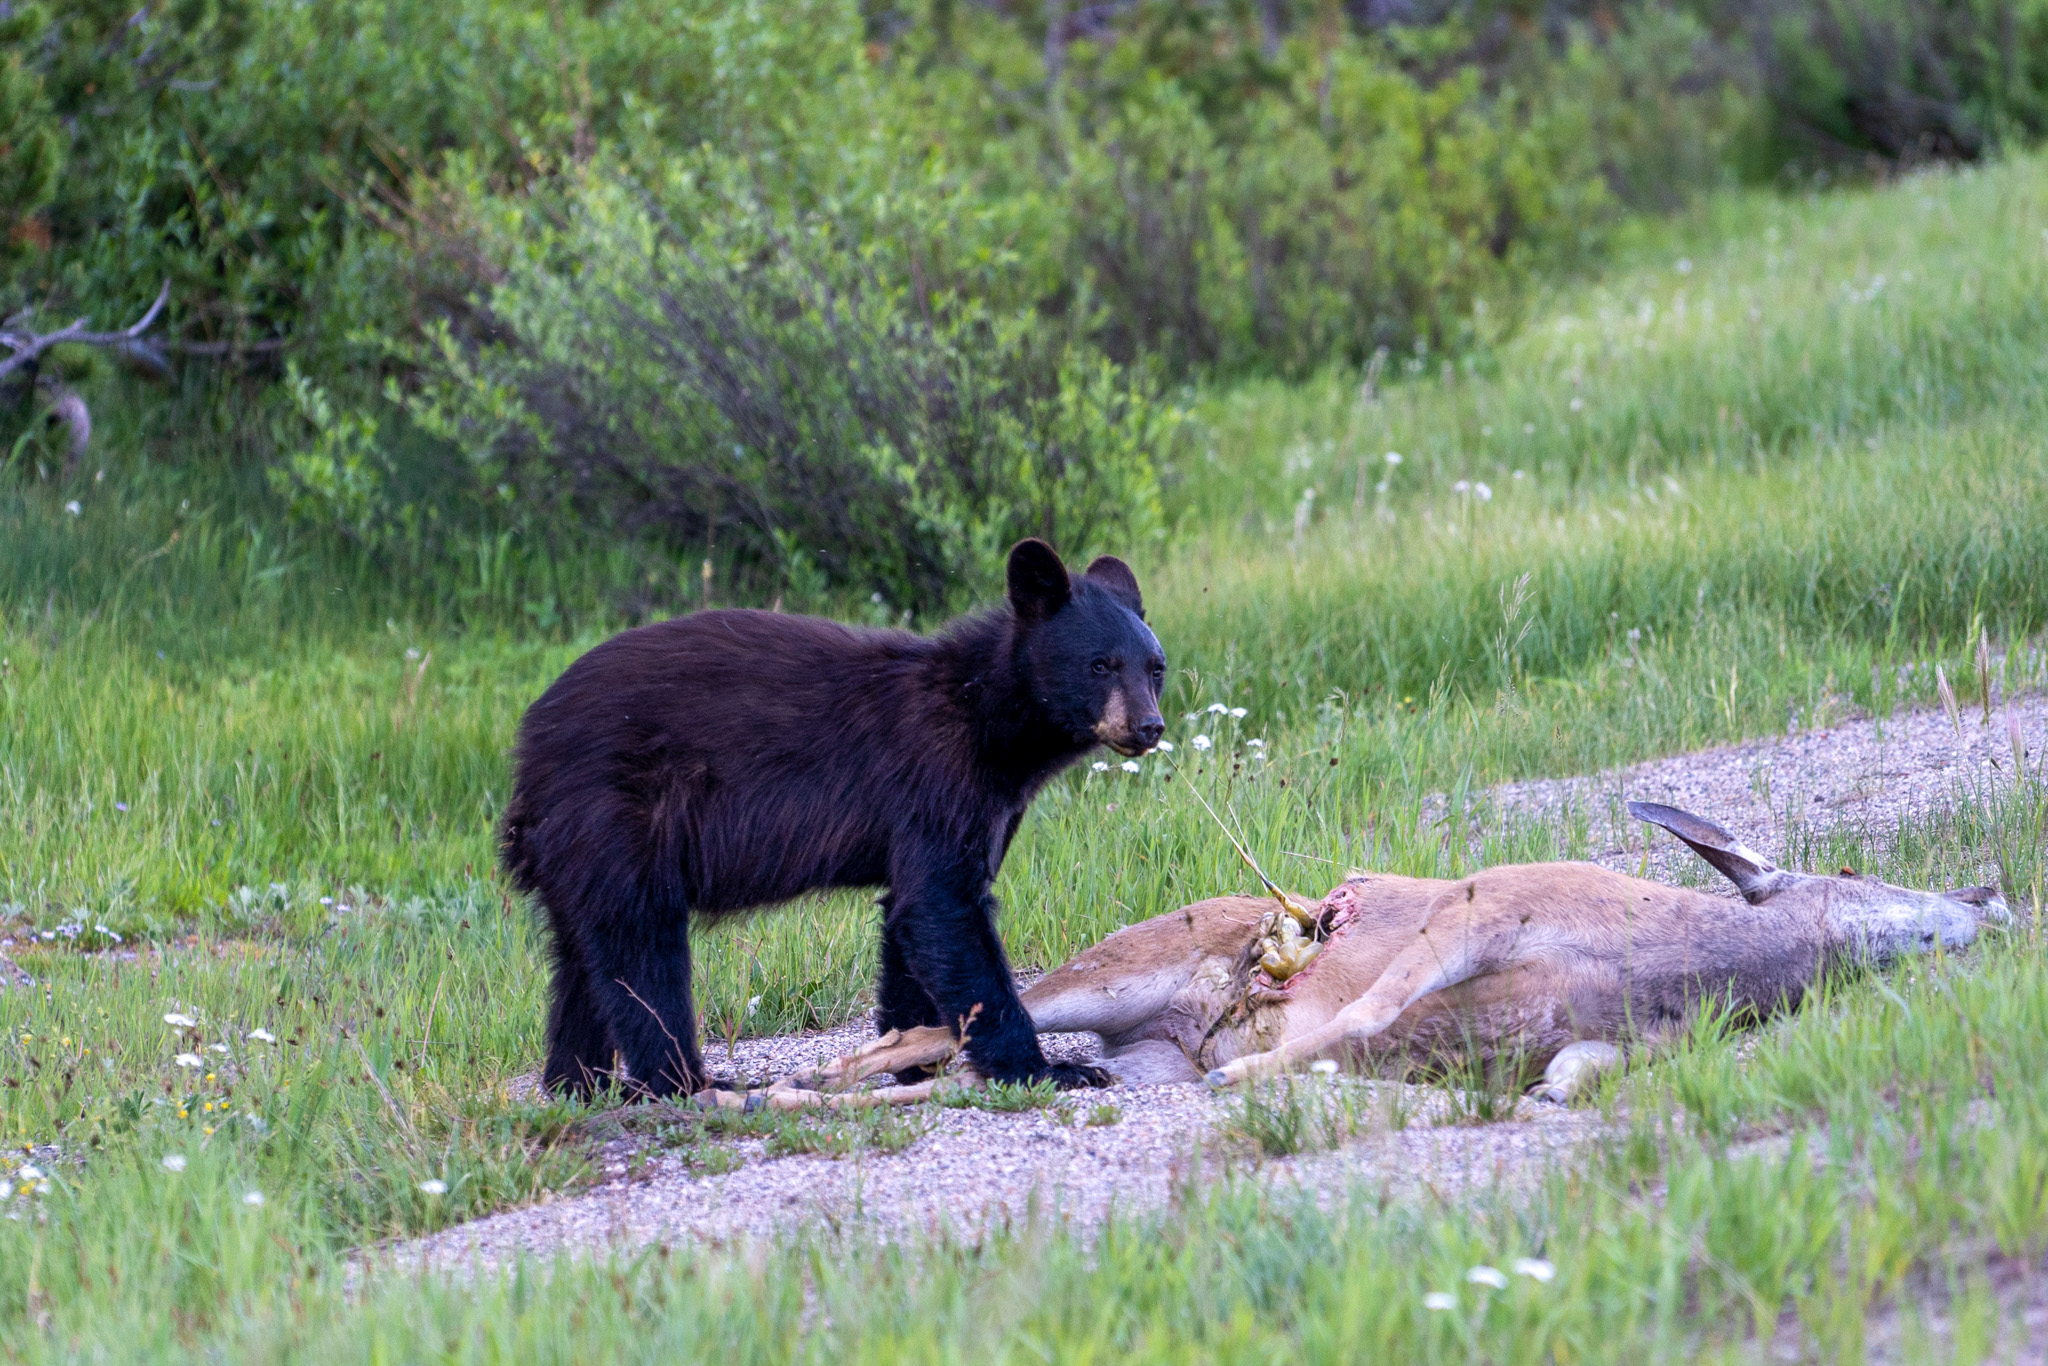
column 1862, row 917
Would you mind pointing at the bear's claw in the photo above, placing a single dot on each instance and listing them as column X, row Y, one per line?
column 1074, row 1076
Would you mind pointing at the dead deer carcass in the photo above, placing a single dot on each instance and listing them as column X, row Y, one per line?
column 1555, row 965
column 1560, row 966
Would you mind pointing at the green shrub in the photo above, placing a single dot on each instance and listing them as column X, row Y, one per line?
column 1225, row 204
column 242, row 148
column 1907, row 80
column 721, row 375
column 29, row 156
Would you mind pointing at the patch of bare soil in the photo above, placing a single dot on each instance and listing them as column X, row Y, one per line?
column 973, row 1169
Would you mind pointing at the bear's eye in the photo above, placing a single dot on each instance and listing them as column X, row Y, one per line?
column 1100, row 668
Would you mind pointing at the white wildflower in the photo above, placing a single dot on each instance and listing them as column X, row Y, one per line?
column 174, row 1162
column 1099, row 766
column 189, row 1060
column 434, row 1186
column 1462, row 486
column 218, row 1047
column 1393, row 457
column 1535, row 1268
column 1685, row 265
column 182, row 1021
column 1484, row 491
column 1488, row 1275
column 1237, row 713
column 1326, row 1066
column 1439, row 1299
column 253, row 1198
column 1256, row 744
column 6, row 1189
column 1200, row 742
column 28, row 1172
column 1129, row 765
column 1217, row 708
column 753, row 1004
column 1577, row 404
column 1164, row 746
column 73, row 508
column 262, row 1036
column 1521, row 474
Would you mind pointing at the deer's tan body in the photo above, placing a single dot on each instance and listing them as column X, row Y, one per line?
column 1544, row 955
column 1559, row 966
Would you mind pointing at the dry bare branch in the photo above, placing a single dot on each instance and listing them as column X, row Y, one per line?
column 28, row 347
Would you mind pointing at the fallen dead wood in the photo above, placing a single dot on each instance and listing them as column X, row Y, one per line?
column 65, row 406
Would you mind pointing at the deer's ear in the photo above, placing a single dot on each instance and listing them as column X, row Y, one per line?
column 1038, row 582
column 1755, row 876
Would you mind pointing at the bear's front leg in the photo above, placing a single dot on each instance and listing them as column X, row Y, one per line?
column 947, row 934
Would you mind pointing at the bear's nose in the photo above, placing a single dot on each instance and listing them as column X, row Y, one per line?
column 1149, row 731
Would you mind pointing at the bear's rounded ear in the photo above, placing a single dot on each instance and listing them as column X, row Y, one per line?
column 1039, row 585
column 1122, row 584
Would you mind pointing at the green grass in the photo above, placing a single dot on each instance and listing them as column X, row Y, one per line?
column 215, row 735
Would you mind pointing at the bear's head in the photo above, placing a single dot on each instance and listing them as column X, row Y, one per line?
column 1095, row 667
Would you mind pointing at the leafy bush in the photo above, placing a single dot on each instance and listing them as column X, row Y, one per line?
column 28, row 134
column 1905, row 79
column 242, row 148
column 1227, row 204
column 725, row 377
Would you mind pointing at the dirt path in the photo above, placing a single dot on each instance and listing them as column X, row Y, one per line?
column 972, row 1168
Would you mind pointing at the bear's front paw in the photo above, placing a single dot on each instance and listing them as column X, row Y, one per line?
column 1073, row 1076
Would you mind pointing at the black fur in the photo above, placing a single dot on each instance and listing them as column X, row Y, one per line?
column 734, row 759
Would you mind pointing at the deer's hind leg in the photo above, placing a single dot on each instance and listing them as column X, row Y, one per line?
column 1576, row 1067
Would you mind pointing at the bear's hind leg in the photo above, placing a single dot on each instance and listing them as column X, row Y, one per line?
column 638, row 970
column 900, row 1003
column 580, row 1051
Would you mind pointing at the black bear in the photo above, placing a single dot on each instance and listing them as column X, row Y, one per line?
column 733, row 759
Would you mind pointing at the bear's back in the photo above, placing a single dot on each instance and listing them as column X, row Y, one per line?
column 760, row 753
